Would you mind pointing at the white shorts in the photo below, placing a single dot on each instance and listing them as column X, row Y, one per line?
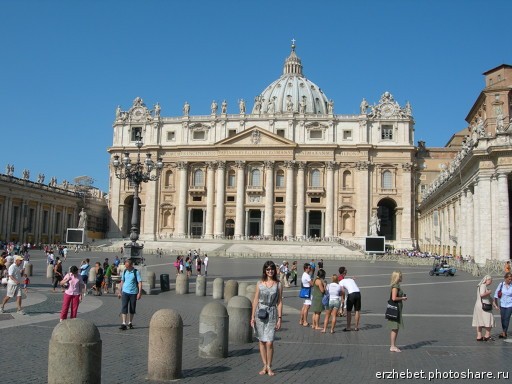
column 13, row 290
column 307, row 301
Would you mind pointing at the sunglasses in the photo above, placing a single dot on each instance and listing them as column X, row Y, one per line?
column 269, row 269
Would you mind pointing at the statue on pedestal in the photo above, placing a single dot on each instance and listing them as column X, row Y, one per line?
column 82, row 221
column 374, row 225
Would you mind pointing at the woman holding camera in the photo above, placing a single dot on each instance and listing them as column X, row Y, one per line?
column 267, row 312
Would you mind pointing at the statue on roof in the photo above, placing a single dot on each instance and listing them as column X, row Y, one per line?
column 257, row 104
column 224, row 107
column 186, row 108
column 241, row 105
column 214, row 107
column 363, row 107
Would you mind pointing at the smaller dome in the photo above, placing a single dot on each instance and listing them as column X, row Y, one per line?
column 292, row 92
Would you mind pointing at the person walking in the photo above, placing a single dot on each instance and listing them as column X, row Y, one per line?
column 74, row 293
column 503, row 297
column 481, row 318
column 267, row 312
column 130, row 290
column 398, row 296
column 205, row 262
column 14, row 285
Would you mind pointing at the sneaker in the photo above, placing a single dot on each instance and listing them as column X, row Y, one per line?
column 2, row 310
column 130, row 326
column 21, row 312
column 123, row 327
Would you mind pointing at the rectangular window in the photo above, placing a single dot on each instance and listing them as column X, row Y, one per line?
column 31, row 216
column 280, row 132
column 315, row 200
column 230, row 199
column 15, row 214
column 231, row 132
column 57, row 222
column 171, row 136
column 387, row 132
column 196, row 198
column 136, row 133
column 199, row 135
column 316, row 134
column 45, row 221
column 279, row 199
column 347, row 135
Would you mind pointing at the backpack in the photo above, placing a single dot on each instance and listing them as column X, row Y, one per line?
column 134, row 276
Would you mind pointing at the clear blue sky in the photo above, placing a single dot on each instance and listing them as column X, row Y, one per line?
column 66, row 65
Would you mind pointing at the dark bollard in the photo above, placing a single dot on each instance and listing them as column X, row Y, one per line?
column 165, row 345
column 164, row 282
column 230, row 290
column 213, row 331
column 218, row 288
column 181, row 284
column 201, row 286
column 239, row 310
column 74, row 355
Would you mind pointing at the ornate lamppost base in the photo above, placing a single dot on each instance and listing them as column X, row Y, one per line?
column 133, row 251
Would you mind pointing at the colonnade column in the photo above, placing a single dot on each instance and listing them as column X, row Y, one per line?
column 484, row 199
column 406, row 204
column 240, row 200
column 362, row 199
column 476, row 222
column 182, row 200
column 210, row 197
column 470, row 228
column 288, row 216
column 269, row 199
column 150, row 218
column 219, row 203
column 329, row 197
column 462, row 223
column 494, row 255
column 301, row 200
column 503, row 219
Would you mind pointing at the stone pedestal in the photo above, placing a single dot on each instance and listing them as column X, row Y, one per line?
column 213, row 331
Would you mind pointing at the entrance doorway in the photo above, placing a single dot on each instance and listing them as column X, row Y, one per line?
column 278, row 228
column 386, row 213
column 229, row 228
column 127, row 215
column 196, row 223
column 315, row 224
column 254, row 222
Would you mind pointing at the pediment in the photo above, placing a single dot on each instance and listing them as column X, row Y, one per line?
column 256, row 137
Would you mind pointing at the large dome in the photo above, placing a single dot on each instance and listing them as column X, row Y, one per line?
column 292, row 92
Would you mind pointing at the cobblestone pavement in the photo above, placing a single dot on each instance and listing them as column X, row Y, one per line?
column 437, row 339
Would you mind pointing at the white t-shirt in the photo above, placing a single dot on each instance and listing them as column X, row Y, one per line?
column 15, row 272
column 205, row 261
column 334, row 291
column 349, row 284
column 306, row 280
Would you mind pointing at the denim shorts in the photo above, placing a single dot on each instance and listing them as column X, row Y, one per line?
column 334, row 304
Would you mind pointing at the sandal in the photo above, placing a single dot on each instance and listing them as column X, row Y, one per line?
column 346, row 330
column 270, row 372
column 263, row 371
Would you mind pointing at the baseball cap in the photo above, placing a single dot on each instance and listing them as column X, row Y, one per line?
column 18, row 258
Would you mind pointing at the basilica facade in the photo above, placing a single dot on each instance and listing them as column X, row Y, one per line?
column 288, row 168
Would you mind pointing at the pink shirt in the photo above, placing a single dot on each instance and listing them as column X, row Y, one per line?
column 75, row 284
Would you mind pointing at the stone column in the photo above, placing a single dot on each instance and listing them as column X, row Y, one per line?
column 484, row 202
column 329, row 200
column 494, row 218
column 470, row 239
column 399, row 221
column 503, row 219
column 407, row 205
column 240, row 199
column 182, row 200
column 476, row 222
column 269, row 199
column 150, row 214
column 219, row 203
column 301, row 201
column 362, row 200
column 462, row 223
column 210, row 197
column 288, row 215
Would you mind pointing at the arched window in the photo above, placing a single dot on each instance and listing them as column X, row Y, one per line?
column 280, row 179
column 169, row 179
column 198, row 178
column 347, row 180
column 315, row 178
column 231, row 178
column 256, row 178
column 387, row 180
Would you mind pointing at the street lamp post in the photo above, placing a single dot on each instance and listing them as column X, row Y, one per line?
column 137, row 173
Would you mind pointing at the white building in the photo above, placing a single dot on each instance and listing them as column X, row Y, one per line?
column 289, row 167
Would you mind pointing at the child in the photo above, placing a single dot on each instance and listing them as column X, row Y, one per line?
column 26, row 282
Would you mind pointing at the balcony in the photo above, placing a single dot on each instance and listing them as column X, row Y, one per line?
column 315, row 191
column 387, row 191
column 196, row 189
column 254, row 190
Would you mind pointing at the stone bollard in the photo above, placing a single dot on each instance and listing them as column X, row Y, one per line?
column 49, row 271
column 165, row 350
column 181, row 284
column 230, row 290
column 201, row 286
column 74, row 355
column 242, row 288
column 239, row 310
column 151, row 276
column 213, row 331
column 28, row 269
column 92, row 275
column 218, row 288
column 250, row 292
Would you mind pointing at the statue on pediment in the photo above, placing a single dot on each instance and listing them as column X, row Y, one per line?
column 257, row 104
column 186, row 108
column 157, row 110
column 364, row 107
column 241, row 105
column 40, row 178
column 330, row 107
column 26, row 174
column 224, row 107
column 214, row 107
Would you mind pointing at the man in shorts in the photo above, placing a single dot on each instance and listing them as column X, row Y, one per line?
column 14, row 285
column 130, row 290
column 353, row 299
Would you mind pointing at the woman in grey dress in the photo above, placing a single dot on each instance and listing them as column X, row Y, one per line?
column 267, row 312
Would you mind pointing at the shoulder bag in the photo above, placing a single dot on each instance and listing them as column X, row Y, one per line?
column 392, row 311
column 485, row 307
column 305, row 292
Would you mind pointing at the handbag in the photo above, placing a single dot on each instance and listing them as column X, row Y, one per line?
column 392, row 311
column 485, row 307
column 325, row 298
column 305, row 292
column 262, row 314
column 499, row 292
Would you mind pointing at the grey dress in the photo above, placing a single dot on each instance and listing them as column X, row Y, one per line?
column 268, row 298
